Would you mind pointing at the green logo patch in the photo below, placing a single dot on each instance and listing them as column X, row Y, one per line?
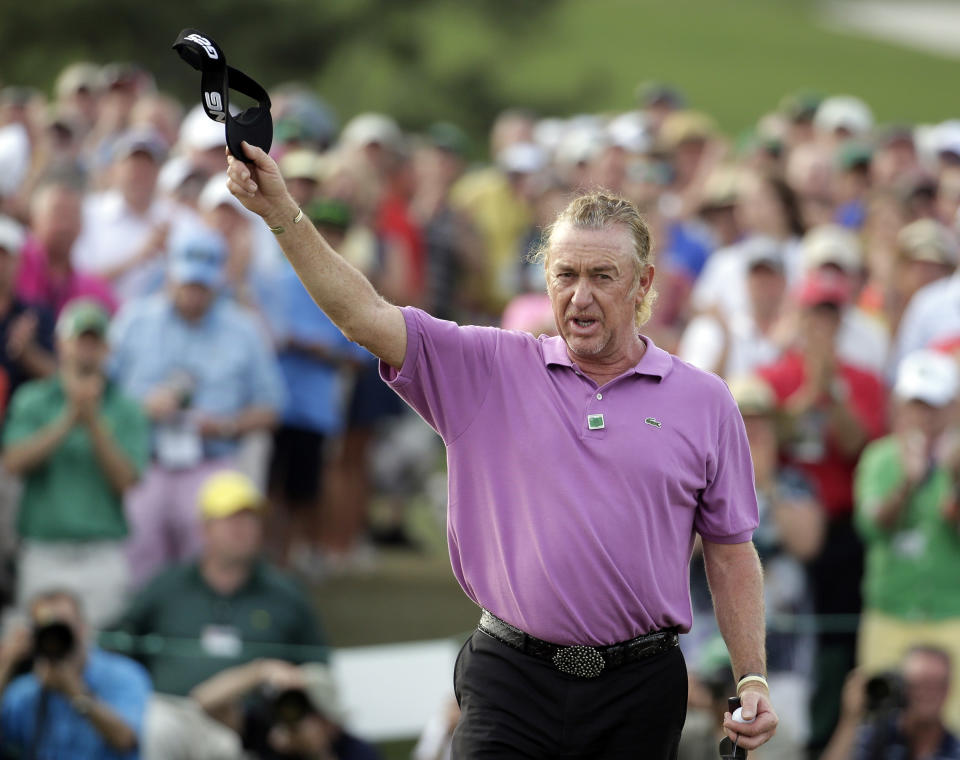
column 595, row 421
column 654, row 423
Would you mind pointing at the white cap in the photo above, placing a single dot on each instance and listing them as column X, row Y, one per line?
column 11, row 235
column 630, row 132
column 928, row 376
column 946, row 137
column 844, row 112
column 215, row 193
column 831, row 244
column 199, row 132
column 522, row 158
column 368, row 128
column 581, row 144
column 547, row 133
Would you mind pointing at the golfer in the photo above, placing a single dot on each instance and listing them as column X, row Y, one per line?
column 581, row 469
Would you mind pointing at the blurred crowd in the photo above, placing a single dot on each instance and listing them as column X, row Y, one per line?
column 183, row 431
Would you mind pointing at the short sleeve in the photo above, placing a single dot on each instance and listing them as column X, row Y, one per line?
column 446, row 371
column 127, row 691
column 877, row 474
column 728, row 512
column 25, row 415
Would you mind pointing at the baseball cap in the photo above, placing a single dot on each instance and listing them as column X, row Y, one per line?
column 200, row 133
column 721, row 188
column 928, row 240
column 752, row 394
column 853, row 154
column 831, row 244
column 844, row 112
column 800, row 106
column 522, row 158
column 197, row 256
column 81, row 316
column 215, row 193
column 685, row 126
column 302, row 164
column 821, row 287
column 631, row 132
column 78, row 76
column 659, row 93
column 928, row 376
column 946, row 137
column 227, row 492
column 763, row 251
column 329, row 211
column 369, row 128
column 11, row 235
column 140, row 140
column 448, row 137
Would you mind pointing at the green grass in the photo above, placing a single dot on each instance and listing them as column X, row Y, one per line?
column 734, row 59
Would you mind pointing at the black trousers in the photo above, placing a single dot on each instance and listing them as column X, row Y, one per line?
column 517, row 706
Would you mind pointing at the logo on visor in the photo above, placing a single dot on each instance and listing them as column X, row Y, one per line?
column 215, row 105
column 203, row 42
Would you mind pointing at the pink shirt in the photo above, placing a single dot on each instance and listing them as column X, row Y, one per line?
column 577, row 535
column 36, row 284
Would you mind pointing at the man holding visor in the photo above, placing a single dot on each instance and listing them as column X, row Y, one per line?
column 581, row 469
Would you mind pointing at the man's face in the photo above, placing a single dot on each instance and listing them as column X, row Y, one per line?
column 192, row 300
column 592, row 284
column 137, row 174
column 916, row 415
column 927, row 680
column 236, row 538
column 309, row 737
column 57, row 220
column 766, row 286
column 85, row 353
column 60, row 609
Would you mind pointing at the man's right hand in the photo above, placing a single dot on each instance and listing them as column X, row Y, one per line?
column 260, row 187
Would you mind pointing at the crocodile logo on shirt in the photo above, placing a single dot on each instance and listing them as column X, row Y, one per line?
column 653, row 423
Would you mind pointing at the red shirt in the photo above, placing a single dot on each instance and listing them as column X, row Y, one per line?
column 816, row 451
column 395, row 225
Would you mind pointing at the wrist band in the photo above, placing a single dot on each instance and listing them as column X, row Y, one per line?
column 280, row 228
column 749, row 677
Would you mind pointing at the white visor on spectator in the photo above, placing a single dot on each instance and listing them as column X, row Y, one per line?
column 928, row 376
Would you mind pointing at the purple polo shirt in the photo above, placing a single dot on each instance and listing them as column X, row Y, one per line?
column 576, row 535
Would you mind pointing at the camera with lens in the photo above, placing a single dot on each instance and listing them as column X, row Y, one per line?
column 885, row 692
column 53, row 640
column 289, row 707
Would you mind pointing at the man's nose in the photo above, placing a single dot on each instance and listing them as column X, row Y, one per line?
column 583, row 292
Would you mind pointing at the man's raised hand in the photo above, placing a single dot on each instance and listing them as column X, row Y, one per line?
column 259, row 186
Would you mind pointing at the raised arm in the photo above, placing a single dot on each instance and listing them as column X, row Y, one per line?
column 344, row 294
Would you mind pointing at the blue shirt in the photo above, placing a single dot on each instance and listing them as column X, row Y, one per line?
column 225, row 354
column 113, row 679
column 314, row 387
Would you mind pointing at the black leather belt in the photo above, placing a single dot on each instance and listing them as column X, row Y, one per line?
column 581, row 661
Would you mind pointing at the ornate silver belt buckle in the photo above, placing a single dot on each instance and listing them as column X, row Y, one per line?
column 580, row 661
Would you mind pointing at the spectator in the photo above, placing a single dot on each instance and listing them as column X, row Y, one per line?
column 79, row 443
column 312, row 354
column 908, row 723
column 862, row 340
column 906, row 512
column 832, row 409
column 47, row 275
column 928, row 252
column 26, row 331
column 79, row 701
column 207, row 377
column 282, row 710
column 126, row 228
column 741, row 342
column 229, row 602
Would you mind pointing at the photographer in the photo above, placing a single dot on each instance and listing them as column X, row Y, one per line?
column 897, row 715
column 78, row 701
column 282, row 711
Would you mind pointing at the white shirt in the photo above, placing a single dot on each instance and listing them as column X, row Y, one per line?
column 703, row 342
column 933, row 313
column 113, row 234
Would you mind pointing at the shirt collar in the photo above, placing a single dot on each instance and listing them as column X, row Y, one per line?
column 655, row 362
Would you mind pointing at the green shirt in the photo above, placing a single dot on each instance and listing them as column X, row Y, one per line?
column 188, row 632
column 68, row 497
column 912, row 570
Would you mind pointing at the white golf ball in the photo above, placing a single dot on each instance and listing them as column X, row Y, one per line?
column 738, row 716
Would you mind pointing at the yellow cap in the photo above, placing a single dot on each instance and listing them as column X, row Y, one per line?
column 227, row 492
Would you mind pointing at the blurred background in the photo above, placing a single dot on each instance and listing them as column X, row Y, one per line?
column 208, row 493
